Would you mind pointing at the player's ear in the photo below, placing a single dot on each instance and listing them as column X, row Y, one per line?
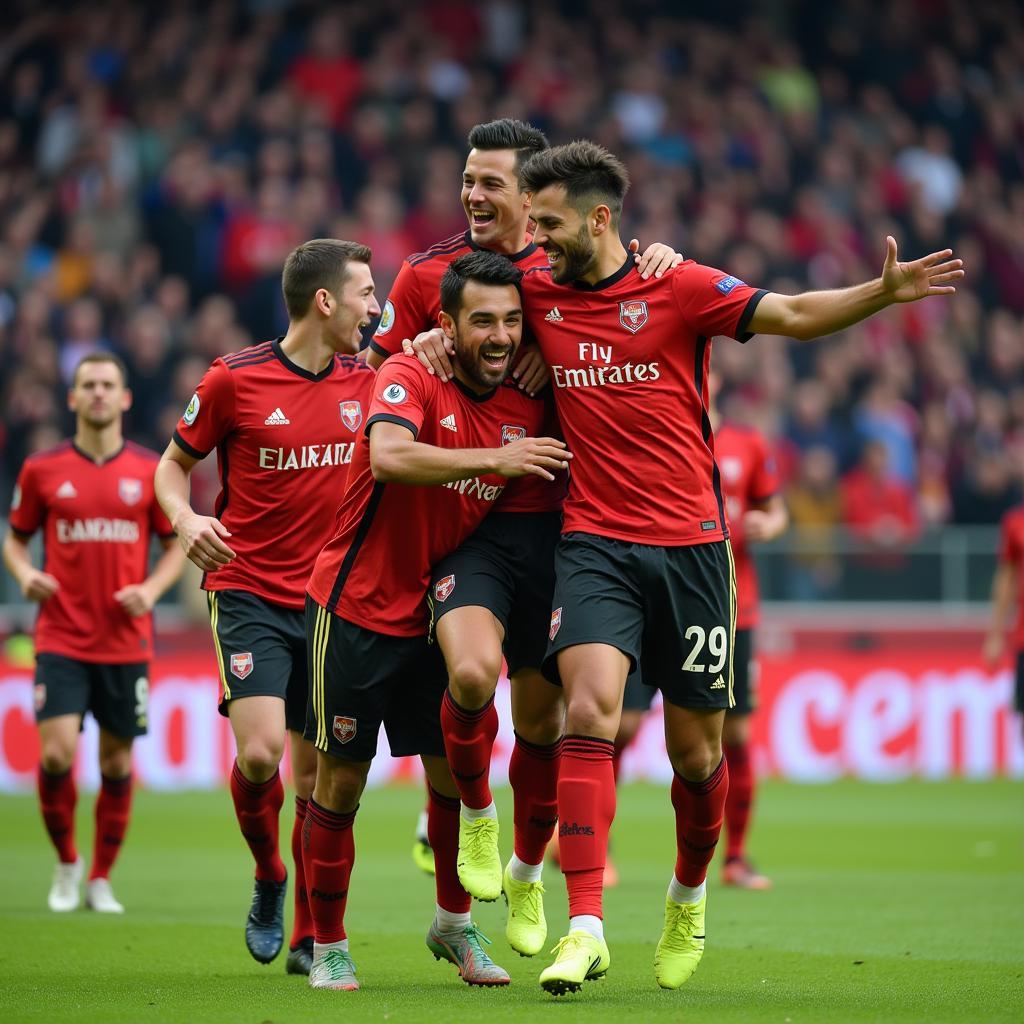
column 601, row 219
column 126, row 399
column 447, row 323
column 71, row 400
column 324, row 301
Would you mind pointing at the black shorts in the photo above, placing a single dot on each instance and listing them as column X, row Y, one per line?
column 638, row 695
column 117, row 695
column 744, row 673
column 671, row 609
column 261, row 651
column 1018, row 694
column 360, row 679
column 508, row 567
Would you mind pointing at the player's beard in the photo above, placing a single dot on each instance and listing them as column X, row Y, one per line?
column 473, row 366
column 99, row 420
column 577, row 257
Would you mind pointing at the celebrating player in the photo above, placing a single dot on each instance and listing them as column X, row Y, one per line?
column 94, row 498
column 433, row 462
column 644, row 568
column 284, row 417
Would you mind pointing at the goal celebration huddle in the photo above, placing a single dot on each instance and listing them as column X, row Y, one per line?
column 520, row 470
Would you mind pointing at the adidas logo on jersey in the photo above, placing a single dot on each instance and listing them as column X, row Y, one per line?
column 449, row 423
column 554, row 317
column 276, row 419
column 67, row 490
column 718, row 684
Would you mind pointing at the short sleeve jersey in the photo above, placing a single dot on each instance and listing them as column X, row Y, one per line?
column 284, row 439
column 414, row 305
column 749, row 478
column 1011, row 553
column 376, row 569
column 97, row 519
column 629, row 365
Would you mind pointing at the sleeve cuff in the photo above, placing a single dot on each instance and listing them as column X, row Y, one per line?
column 375, row 346
column 387, row 417
column 742, row 334
column 194, row 453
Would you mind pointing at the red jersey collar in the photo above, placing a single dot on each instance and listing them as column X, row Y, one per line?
column 95, row 461
column 514, row 258
column 275, row 347
column 586, row 286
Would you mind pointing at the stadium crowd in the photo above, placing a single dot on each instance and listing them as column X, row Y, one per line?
column 157, row 163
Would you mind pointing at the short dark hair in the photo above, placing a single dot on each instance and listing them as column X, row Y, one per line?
column 101, row 357
column 481, row 266
column 319, row 263
column 590, row 174
column 508, row 133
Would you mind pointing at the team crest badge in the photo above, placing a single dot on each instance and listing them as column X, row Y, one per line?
column 344, row 728
column 130, row 490
column 351, row 415
column 444, row 587
column 556, row 623
column 39, row 696
column 241, row 664
column 511, row 432
column 633, row 314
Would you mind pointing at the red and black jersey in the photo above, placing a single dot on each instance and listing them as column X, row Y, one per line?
column 98, row 519
column 1011, row 553
column 414, row 306
column 376, row 569
column 749, row 478
column 629, row 363
column 284, row 440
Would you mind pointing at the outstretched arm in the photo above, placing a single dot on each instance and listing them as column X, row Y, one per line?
column 813, row 314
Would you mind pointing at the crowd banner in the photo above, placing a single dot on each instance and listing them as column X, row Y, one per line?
column 882, row 716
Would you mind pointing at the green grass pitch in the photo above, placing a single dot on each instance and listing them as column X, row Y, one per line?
column 891, row 903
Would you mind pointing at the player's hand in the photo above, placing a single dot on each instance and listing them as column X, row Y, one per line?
column 201, row 537
column 655, row 259
column 434, row 350
column 531, row 371
column 135, row 600
column 993, row 648
column 37, row 585
column 931, row 275
column 539, row 456
column 757, row 525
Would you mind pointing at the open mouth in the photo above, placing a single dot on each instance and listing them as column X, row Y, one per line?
column 553, row 255
column 481, row 218
column 495, row 358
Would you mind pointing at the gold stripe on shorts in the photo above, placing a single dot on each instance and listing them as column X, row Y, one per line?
column 732, row 621
column 321, row 634
column 211, row 600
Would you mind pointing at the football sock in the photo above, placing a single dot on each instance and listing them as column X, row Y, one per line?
column 699, row 808
column 587, row 923
column 328, row 853
column 490, row 811
column 113, row 809
column 523, row 872
column 443, row 835
column 679, row 893
column 447, row 921
column 322, row 947
column 57, row 799
column 740, row 799
column 257, row 807
column 468, row 741
column 533, row 774
column 586, row 807
column 302, row 926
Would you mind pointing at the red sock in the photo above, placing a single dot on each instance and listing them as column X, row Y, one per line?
column 533, row 773
column 443, row 836
column 468, row 741
column 699, row 809
column 113, row 809
column 586, row 808
column 257, row 807
column 57, row 799
column 740, row 799
column 328, row 853
column 302, row 926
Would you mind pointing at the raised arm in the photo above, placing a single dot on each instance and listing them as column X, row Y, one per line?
column 814, row 314
column 397, row 457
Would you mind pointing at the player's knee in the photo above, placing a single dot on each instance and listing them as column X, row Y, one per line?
column 259, row 757
column 116, row 764
column 541, row 726
column 697, row 763
column 340, row 786
column 56, row 757
column 473, row 681
column 304, row 782
column 589, row 715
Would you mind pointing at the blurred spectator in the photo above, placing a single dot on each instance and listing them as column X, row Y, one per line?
column 815, row 512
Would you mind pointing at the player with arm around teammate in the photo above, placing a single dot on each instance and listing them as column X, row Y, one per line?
column 93, row 498
column 283, row 417
column 644, row 568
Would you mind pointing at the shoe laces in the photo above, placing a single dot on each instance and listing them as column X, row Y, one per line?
column 473, row 937
column 682, row 929
column 533, row 901
column 266, row 900
column 338, row 963
column 480, row 840
column 567, row 946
